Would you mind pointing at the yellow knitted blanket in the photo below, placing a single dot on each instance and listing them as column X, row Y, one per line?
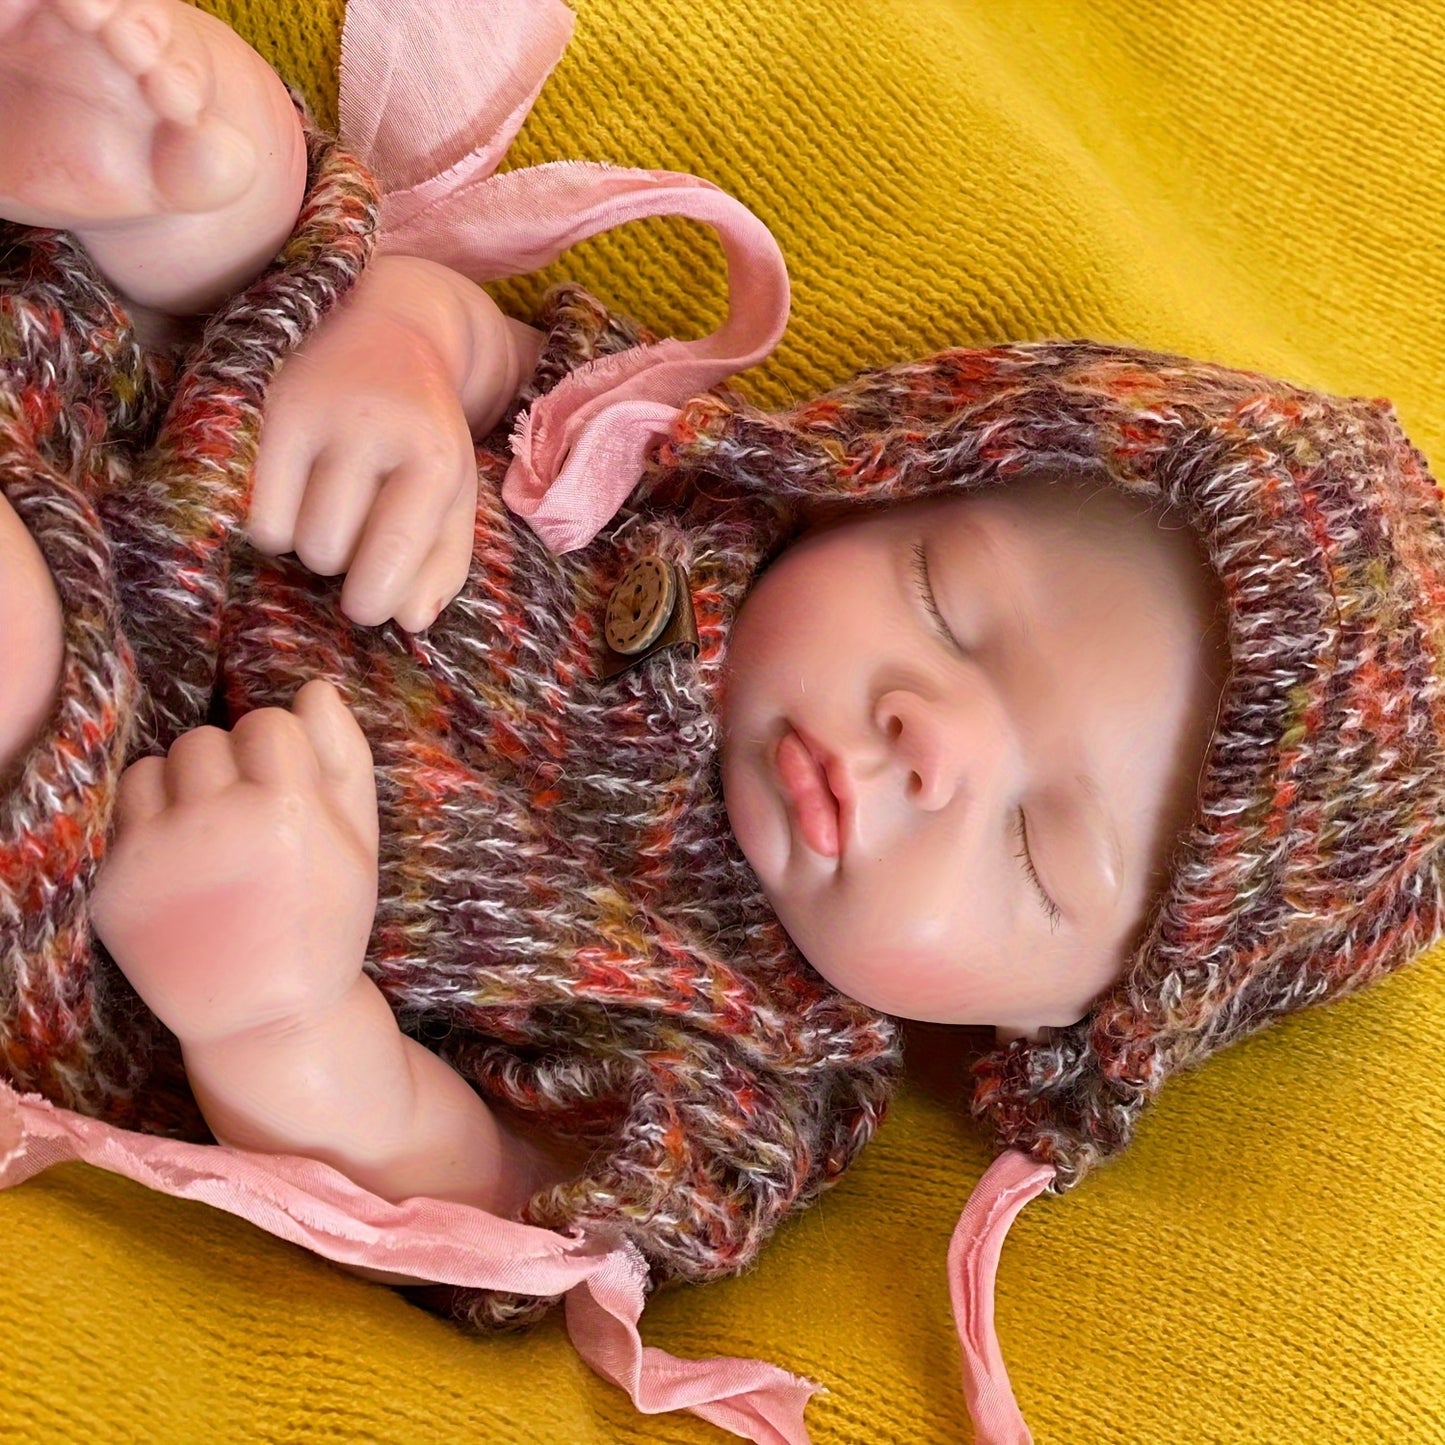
column 1249, row 181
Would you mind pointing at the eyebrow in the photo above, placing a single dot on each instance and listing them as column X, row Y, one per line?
column 1094, row 814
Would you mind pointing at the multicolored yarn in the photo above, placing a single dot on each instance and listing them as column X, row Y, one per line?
column 1313, row 864
column 135, row 505
column 563, row 912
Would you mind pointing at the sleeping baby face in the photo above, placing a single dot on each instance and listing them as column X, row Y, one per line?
column 961, row 737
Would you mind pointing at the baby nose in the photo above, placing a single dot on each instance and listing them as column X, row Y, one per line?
column 939, row 748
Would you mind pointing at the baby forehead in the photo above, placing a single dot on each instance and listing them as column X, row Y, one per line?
column 1056, row 501
column 1058, row 536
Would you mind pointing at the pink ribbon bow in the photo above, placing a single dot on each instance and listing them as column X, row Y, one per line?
column 431, row 97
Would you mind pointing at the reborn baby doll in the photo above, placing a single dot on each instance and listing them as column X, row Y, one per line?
column 1075, row 690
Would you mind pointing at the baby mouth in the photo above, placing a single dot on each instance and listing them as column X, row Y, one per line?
column 806, row 784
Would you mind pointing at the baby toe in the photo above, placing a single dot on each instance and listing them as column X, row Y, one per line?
column 179, row 89
column 137, row 35
column 86, row 15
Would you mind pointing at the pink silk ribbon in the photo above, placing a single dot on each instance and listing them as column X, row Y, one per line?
column 311, row 1204
column 1009, row 1183
column 431, row 96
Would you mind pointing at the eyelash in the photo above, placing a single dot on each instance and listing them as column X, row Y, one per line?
column 1049, row 905
column 925, row 591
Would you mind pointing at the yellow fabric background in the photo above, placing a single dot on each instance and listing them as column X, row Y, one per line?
column 1246, row 180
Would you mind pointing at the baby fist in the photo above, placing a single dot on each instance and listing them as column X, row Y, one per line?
column 366, row 464
column 241, row 886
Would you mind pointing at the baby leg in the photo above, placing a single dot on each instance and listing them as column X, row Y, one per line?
column 158, row 136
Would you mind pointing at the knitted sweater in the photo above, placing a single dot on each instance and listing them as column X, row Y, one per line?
column 563, row 915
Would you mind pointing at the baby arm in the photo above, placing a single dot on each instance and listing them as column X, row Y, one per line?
column 366, row 463
column 342, row 1084
column 238, row 898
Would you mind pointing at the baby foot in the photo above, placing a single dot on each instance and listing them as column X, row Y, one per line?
column 116, row 104
column 157, row 135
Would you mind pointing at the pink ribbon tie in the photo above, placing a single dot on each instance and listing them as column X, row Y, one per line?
column 311, row 1204
column 1009, row 1183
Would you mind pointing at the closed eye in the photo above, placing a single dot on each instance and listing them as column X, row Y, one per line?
column 925, row 591
column 1050, row 907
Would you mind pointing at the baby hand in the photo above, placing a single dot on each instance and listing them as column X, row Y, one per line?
column 366, row 464
column 240, row 889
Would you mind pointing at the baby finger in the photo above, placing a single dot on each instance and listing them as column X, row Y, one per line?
column 444, row 572
column 342, row 754
column 284, row 461
column 141, row 795
column 272, row 747
column 404, row 525
column 199, row 765
column 340, row 493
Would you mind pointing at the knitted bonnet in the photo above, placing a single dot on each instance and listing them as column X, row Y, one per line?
column 1312, row 864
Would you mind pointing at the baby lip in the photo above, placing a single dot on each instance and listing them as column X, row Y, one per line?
column 836, row 781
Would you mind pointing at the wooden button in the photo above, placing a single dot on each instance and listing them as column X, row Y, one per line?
column 640, row 606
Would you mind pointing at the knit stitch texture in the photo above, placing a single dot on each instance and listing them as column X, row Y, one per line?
column 563, row 913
